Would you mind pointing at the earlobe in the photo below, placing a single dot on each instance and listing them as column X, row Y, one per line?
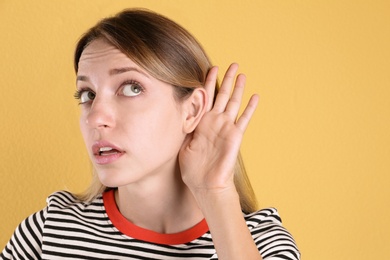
column 195, row 107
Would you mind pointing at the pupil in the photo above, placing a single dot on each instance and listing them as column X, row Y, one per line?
column 91, row 95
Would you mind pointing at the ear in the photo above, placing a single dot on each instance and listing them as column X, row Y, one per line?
column 194, row 108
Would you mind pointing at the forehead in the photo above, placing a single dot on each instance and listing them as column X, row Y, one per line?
column 100, row 51
column 101, row 58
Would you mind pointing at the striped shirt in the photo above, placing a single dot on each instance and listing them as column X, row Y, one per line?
column 68, row 228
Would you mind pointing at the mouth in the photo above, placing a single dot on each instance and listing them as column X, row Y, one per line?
column 105, row 153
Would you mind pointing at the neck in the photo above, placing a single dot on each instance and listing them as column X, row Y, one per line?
column 162, row 204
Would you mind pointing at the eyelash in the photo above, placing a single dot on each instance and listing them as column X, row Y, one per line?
column 133, row 82
column 77, row 95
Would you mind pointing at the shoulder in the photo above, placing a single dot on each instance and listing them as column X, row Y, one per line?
column 63, row 209
column 66, row 200
column 26, row 241
column 262, row 217
column 62, row 199
column 63, row 204
column 271, row 238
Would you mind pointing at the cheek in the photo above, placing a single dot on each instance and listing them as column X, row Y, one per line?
column 82, row 124
column 161, row 126
column 168, row 130
column 84, row 129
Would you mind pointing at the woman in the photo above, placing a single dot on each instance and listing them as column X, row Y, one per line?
column 169, row 182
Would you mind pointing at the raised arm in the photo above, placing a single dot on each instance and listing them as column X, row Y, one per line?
column 207, row 161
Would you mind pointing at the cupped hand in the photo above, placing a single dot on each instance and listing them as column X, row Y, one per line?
column 208, row 155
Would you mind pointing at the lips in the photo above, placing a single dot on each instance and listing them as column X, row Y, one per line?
column 105, row 152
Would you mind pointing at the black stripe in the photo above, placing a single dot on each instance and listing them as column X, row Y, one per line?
column 73, row 229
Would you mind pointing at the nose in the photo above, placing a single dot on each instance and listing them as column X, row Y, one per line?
column 101, row 114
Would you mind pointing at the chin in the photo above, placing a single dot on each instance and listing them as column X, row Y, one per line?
column 114, row 179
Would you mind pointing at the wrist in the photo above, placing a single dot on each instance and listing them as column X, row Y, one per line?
column 221, row 199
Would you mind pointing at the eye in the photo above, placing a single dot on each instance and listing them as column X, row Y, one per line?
column 84, row 95
column 131, row 89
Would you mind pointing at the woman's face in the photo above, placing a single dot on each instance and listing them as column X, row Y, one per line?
column 131, row 124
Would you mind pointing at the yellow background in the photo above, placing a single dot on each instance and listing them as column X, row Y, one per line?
column 318, row 147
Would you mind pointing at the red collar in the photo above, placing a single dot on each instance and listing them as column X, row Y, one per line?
column 131, row 230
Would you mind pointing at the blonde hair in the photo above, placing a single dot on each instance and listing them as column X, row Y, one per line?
column 167, row 52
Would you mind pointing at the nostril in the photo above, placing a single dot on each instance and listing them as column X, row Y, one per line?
column 87, row 122
column 102, row 126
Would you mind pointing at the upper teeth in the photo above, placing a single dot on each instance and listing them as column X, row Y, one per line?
column 105, row 149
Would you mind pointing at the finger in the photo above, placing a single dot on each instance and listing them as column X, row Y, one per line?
column 243, row 120
column 226, row 86
column 234, row 103
column 211, row 81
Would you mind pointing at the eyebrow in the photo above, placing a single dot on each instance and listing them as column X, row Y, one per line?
column 126, row 69
column 81, row 78
column 115, row 72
